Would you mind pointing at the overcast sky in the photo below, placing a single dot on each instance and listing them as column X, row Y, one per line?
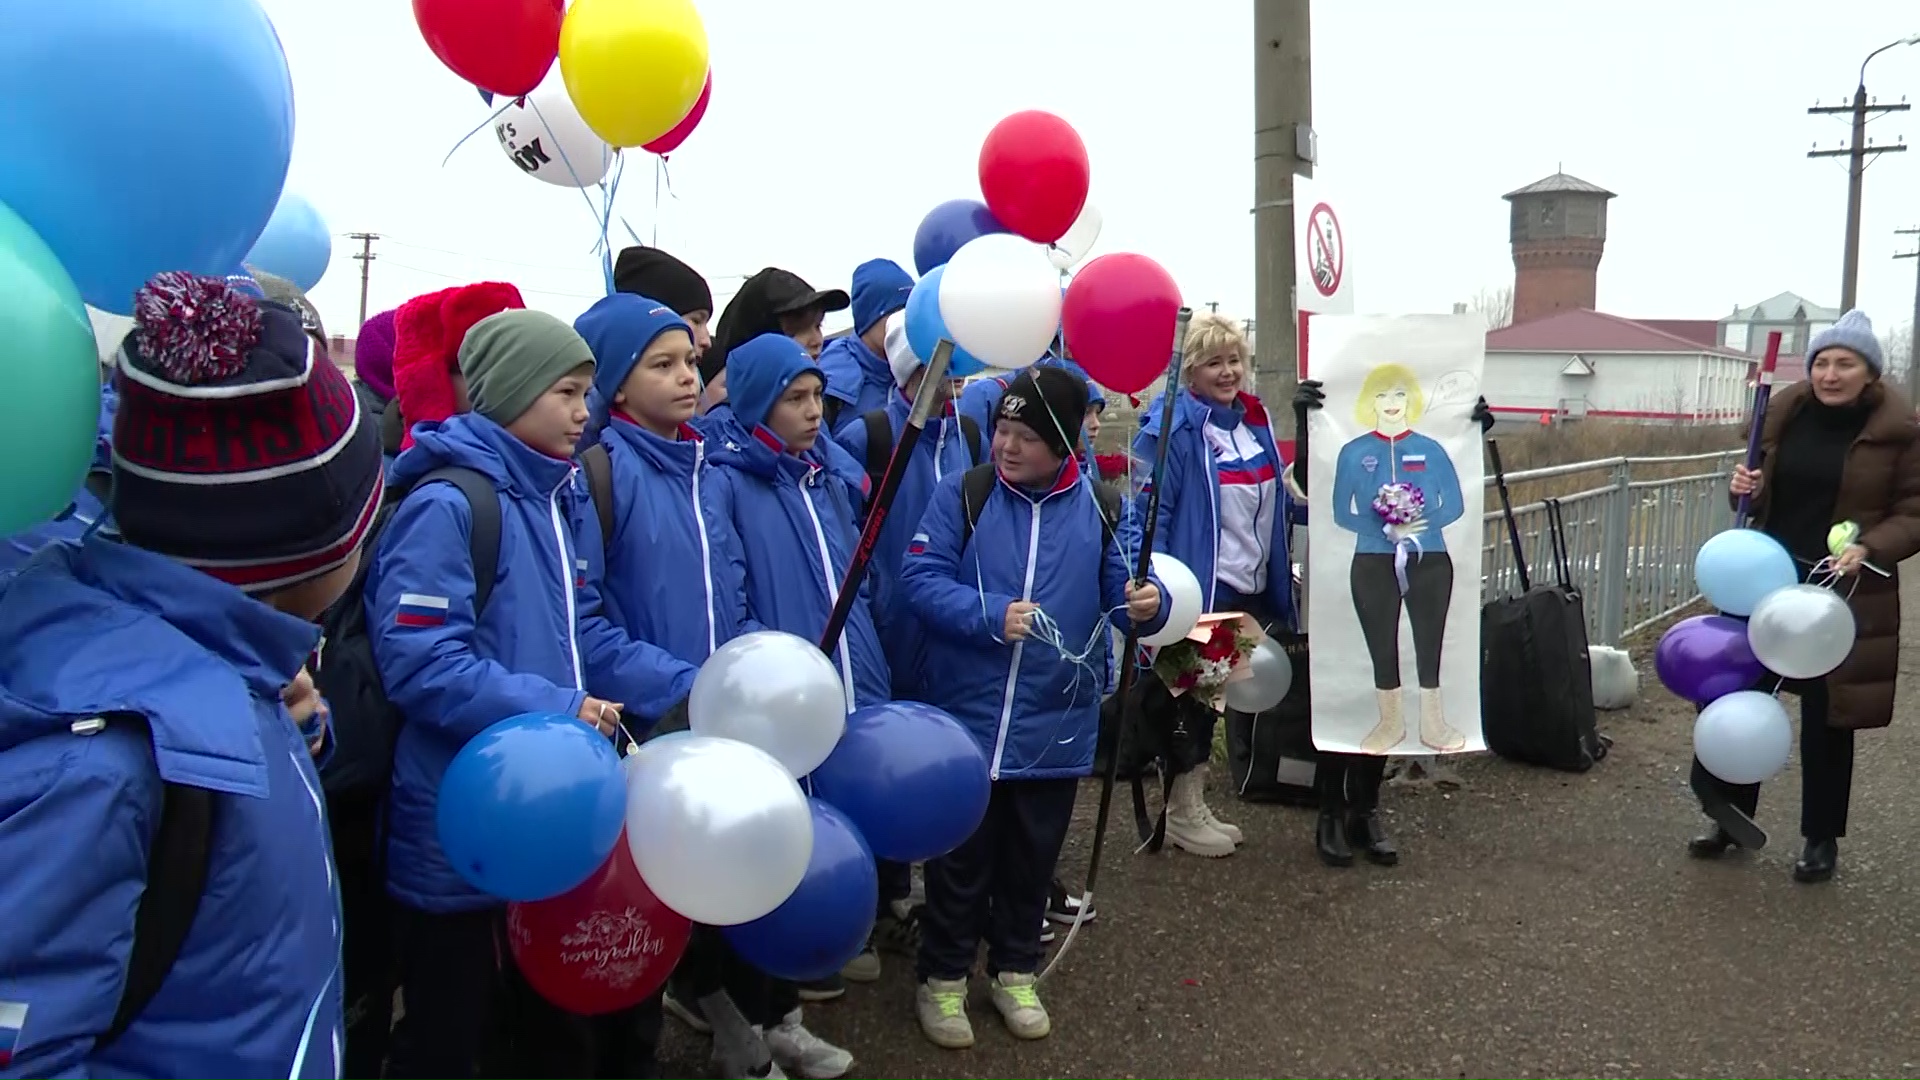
column 836, row 124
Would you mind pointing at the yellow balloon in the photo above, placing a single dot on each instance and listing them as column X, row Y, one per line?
column 634, row 68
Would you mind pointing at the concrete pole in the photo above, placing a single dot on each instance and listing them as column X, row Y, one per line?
column 1282, row 111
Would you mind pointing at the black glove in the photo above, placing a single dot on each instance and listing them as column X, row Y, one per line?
column 1310, row 395
column 1483, row 416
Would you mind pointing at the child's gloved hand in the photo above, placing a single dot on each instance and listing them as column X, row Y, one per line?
column 1143, row 601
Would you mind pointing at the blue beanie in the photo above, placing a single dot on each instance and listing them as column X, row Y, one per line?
column 618, row 329
column 1854, row 332
column 880, row 288
column 759, row 371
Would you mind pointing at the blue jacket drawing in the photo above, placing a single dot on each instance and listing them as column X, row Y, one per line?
column 857, row 378
column 1189, row 525
column 941, row 452
column 86, row 507
column 1372, row 460
column 536, row 648
column 1035, row 714
column 98, row 628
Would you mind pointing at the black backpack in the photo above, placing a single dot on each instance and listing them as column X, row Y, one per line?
column 364, row 723
column 880, row 443
column 978, row 483
column 599, row 469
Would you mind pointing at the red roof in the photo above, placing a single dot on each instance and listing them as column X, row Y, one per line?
column 1580, row 330
column 1699, row 331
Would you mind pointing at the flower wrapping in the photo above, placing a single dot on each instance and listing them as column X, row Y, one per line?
column 1213, row 654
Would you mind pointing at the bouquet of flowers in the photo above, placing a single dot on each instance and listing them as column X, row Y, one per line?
column 1209, row 657
column 1399, row 504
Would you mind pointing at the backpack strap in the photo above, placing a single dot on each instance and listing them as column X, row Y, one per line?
column 483, row 540
column 176, row 876
column 975, row 486
column 1109, row 502
column 599, row 470
column 976, row 447
column 879, row 444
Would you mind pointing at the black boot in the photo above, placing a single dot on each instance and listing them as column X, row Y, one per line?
column 1816, row 863
column 1365, row 829
column 1330, row 839
column 1711, row 845
column 1330, row 834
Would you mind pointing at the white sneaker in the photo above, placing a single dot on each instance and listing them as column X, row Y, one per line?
column 744, row 1055
column 1224, row 828
column 942, row 1007
column 1187, row 827
column 864, row 968
column 802, row 1053
column 1046, row 931
column 1019, row 1003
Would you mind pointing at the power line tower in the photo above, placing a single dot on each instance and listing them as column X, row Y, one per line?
column 365, row 258
column 1857, row 151
column 1913, row 328
column 1283, row 146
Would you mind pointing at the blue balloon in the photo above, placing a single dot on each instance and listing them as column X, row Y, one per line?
column 827, row 920
column 1738, row 567
column 532, row 806
column 946, row 228
column 143, row 135
column 925, row 327
column 910, row 777
column 296, row 244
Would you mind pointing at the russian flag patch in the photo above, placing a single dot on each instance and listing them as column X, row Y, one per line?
column 579, row 573
column 1414, row 462
column 13, row 1020
column 918, row 545
column 421, row 611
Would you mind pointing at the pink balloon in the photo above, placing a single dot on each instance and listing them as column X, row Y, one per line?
column 668, row 143
column 1118, row 319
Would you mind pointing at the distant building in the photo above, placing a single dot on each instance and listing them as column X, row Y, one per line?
column 1577, row 365
column 340, row 351
column 1559, row 231
column 1794, row 316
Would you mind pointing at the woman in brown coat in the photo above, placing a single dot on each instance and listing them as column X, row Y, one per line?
column 1841, row 446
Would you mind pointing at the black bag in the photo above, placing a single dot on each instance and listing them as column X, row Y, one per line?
column 880, row 443
column 1164, row 737
column 1270, row 755
column 1536, row 685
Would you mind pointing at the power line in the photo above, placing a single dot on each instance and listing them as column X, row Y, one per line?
column 365, row 259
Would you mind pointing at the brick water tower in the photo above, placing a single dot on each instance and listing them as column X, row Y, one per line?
column 1559, row 232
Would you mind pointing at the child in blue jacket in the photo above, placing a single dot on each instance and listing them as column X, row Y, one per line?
column 1034, row 712
column 859, row 377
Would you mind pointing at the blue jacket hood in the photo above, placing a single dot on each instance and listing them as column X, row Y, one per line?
column 857, row 377
column 618, row 328
column 472, row 441
column 759, row 371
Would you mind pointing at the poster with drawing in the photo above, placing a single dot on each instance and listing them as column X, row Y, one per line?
column 1395, row 534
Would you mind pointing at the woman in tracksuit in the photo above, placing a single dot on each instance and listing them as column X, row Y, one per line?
column 1035, row 713
column 1224, row 514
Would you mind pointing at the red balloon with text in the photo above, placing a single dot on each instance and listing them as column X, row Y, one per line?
column 502, row 46
column 1034, row 175
column 1118, row 320
column 606, row 945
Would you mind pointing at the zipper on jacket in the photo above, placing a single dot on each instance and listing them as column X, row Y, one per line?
column 940, row 453
column 1013, row 666
column 566, row 580
column 833, row 589
column 706, row 551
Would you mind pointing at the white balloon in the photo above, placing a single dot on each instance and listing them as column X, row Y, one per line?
column 1182, row 599
column 1269, row 677
column 774, row 691
column 1001, row 300
column 1801, row 631
column 718, row 830
column 546, row 138
column 1743, row 737
column 1067, row 252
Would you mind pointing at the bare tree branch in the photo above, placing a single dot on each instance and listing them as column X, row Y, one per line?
column 1494, row 305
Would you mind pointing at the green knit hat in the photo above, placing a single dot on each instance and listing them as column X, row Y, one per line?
column 513, row 357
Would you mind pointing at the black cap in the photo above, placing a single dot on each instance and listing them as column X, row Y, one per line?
column 1050, row 400
column 651, row 272
column 787, row 292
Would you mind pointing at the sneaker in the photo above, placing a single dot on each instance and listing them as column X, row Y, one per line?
column 942, row 1006
column 687, row 1014
column 1018, row 1000
column 864, row 968
column 1063, row 907
column 897, row 930
column 746, row 1057
column 802, row 1053
column 831, row 988
column 1046, row 931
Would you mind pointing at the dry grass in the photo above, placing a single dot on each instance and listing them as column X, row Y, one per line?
column 1598, row 440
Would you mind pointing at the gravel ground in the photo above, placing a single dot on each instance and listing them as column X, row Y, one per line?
column 1539, row 924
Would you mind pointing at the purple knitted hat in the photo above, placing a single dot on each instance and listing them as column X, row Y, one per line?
column 373, row 354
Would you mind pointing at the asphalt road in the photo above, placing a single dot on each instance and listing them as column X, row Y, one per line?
column 1539, row 924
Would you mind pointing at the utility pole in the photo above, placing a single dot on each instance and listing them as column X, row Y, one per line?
column 1913, row 328
column 1283, row 145
column 365, row 259
column 1857, row 152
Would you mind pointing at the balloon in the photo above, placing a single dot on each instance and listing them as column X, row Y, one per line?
column 531, row 806
column 774, row 691
column 1706, row 657
column 719, row 829
column 947, row 228
column 635, row 68
column 1119, row 318
column 1001, row 299
column 910, row 777
column 50, row 384
column 608, row 943
column 1744, row 737
column 668, row 143
column 1066, row 252
column 1034, row 174
column 1270, row 676
column 544, row 135
column 826, row 921
column 1182, row 599
column 1735, row 568
column 926, row 329
column 112, row 107
column 296, row 244
column 1801, row 631
column 506, row 46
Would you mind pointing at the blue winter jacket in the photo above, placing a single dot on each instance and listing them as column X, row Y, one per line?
column 96, row 628
column 860, row 380
column 941, row 452
column 1372, row 460
column 795, row 516
column 1189, row 525
column 1034, row 714
column 715, row 421
column 536, row 648
column 86, row 508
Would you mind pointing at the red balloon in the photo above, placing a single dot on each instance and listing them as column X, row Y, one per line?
column 1119, row 318
column 505, row 46
column 606, row 945
column 1034, row 174
column 668, row 143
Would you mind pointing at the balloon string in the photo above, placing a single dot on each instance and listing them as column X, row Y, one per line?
column 633, row 744
column 659, row 171
column 484, row 124
column 578, row 184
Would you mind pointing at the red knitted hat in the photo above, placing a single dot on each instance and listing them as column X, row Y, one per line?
column 427, row 333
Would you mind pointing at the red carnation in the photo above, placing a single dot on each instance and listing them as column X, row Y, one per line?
column 194, row 329
column 1221, row 644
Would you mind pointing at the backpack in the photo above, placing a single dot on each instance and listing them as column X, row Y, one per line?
column 978, row 483
column 365, row 724
column 599, row 469
column 880, row 443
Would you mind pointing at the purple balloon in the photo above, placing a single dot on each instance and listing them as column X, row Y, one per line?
column 947, row 227
column 1707, row 657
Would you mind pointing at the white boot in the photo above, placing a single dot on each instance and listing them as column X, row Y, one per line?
column 1392, row 728
column 1224, row 828
column 1187, row 825
column 1435, row 732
